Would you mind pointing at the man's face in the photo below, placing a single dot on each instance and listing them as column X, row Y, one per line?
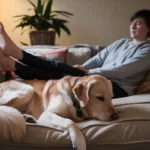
column 139, row 29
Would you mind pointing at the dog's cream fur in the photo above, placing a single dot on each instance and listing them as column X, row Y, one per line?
column 50, row 102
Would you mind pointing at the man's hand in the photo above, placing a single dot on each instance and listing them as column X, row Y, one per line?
column 81, row 68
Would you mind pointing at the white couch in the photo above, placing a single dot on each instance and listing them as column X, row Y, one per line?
column 130, row 131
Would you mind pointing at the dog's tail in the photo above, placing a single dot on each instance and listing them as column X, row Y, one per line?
column 12, row 124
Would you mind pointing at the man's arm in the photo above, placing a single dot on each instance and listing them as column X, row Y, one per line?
column 138, row 63
column 97, row 60
column 94, row 62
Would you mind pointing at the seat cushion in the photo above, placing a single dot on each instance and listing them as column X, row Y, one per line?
column 133, row 126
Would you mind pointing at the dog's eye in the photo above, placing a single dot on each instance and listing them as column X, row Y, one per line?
column 101, row 98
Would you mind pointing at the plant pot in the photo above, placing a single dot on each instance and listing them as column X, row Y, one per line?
column 42, row 37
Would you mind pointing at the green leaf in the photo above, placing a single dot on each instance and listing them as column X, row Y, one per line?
column 66, row 29
column 48, row 9
column 24, row 31
column 19, row 16
column 52, row 16
column 30, row 9
column 60, row 20
column 39, row 7
column 18, row 20
column 58, row 31
column 64, row 13
column 50, row 22
column 25, row 44
column 32, row 3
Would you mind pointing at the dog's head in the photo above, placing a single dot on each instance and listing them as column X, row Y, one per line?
column 94, row 93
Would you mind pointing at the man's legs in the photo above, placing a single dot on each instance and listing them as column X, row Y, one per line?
column 118, row 91
column 30, row 73
column 10, row 49
column 57, row 66
column 26, row 72
column 6, row 63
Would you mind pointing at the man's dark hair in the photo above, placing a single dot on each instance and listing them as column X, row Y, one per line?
column 145, row 14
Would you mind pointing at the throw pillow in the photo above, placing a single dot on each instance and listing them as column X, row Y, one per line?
column 55, row 55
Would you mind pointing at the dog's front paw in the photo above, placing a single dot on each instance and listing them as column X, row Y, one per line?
column 29, row 119
column 77, row 138
column 80, row 143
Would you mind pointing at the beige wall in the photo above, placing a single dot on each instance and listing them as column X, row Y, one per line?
column 94, row 21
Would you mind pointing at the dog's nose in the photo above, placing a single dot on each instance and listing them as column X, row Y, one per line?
column 114, row 116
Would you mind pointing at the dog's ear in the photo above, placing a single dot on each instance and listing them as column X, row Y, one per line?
column 110, row 88
column 81, row 92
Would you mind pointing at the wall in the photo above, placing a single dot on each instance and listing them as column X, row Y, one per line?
column 96, row 22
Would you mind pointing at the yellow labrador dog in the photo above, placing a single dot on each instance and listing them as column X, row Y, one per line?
column 55, row 103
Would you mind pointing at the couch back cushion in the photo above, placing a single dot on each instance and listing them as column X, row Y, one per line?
column 73, row 55
column 78, row 55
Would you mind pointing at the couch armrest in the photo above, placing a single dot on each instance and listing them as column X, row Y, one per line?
column 2, row 77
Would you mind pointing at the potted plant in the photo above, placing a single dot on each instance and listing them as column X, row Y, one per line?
column 45, row 22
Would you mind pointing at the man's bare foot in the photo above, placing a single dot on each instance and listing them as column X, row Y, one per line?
column 8, row 46
column 6, row 63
